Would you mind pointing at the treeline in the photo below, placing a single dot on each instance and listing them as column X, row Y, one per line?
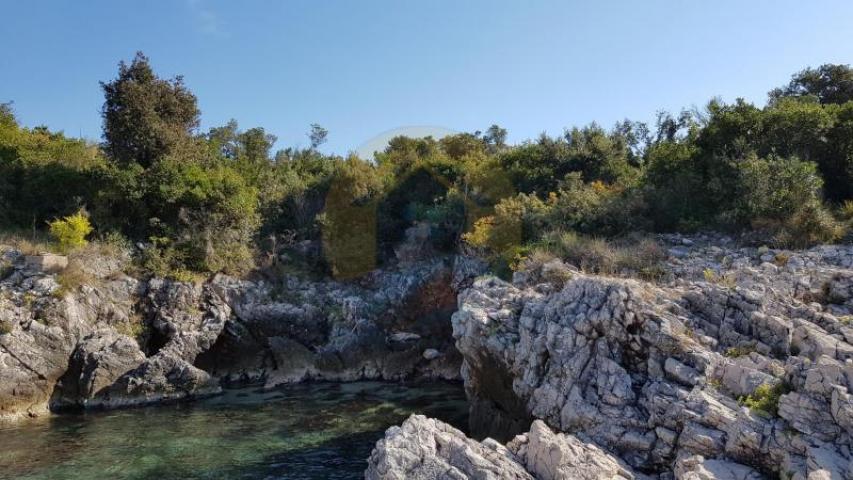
column 222, row 200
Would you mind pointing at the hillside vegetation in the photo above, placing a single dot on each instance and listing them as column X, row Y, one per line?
column 222, row 200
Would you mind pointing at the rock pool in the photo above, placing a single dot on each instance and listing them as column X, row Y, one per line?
column 311, row 431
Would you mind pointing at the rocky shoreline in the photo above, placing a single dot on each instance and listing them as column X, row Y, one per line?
column 736, row 364
column 119, row 341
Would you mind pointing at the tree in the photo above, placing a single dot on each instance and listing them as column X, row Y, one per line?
column 317, row 135
column 145, row 117
column 495, row 137
column 829, row 83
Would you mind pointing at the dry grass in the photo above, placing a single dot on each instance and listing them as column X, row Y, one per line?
column 73, row 277
column 28, row 243
column 641, row 257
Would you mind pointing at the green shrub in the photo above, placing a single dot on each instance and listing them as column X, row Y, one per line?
column 70, row 232
column 782, row 198
column 5, row 327
column 765, row 399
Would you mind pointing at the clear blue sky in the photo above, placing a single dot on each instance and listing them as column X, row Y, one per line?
column 363, row 67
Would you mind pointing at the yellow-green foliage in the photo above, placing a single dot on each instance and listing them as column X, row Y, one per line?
column 765, row 399
column 5, row 327
column 70, row 232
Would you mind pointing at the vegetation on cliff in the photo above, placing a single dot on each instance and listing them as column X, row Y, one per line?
column 222, row 200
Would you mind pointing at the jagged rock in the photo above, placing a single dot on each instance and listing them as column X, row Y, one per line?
column 68, row 352
column 45, row 263
column 555, row 456
column 698, row 468
column 427, row 449
column 42, row 334
column 655, row 372
column 159, row 378
column 403, row 337
column 376, row 328
column 98, row 361
column 431, row 354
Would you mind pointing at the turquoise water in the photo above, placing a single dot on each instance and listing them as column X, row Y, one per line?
column 319, row 431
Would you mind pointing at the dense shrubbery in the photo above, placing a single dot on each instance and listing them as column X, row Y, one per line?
column 217, row 201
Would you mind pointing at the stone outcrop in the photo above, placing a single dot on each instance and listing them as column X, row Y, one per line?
column 118, row 341
column 427, row 449
column 680, row 377
column 556, row 456
column 391, row 324
column 737, row 364
column 64, row 349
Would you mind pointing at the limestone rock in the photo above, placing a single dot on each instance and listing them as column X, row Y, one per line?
column 555, row 456
column 699, row 468
column 427, row 449
column 657, row 373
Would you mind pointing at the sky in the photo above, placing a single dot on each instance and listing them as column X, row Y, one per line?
column 363, row 68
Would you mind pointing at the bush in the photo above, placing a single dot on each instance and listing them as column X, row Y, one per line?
column 503, row 234
column 206, row 216
column 765, row 399
column 782, row 198
column 70, row 232
column 5, row 327
column 809, row 225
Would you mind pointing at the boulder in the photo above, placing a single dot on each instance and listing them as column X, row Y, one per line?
column 427, row 449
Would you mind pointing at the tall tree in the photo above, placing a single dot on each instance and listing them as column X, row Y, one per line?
column 317, row 135
column 145, row 117
column 495, row 136
column 829, row 83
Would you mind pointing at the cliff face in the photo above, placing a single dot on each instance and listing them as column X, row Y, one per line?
column 118, row 341
column 739, row 365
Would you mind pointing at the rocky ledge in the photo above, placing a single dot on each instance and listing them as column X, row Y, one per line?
column 112, row 340
column 738, row 364
column 426, row 449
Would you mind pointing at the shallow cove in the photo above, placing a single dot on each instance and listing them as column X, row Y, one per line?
column 310, row 431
